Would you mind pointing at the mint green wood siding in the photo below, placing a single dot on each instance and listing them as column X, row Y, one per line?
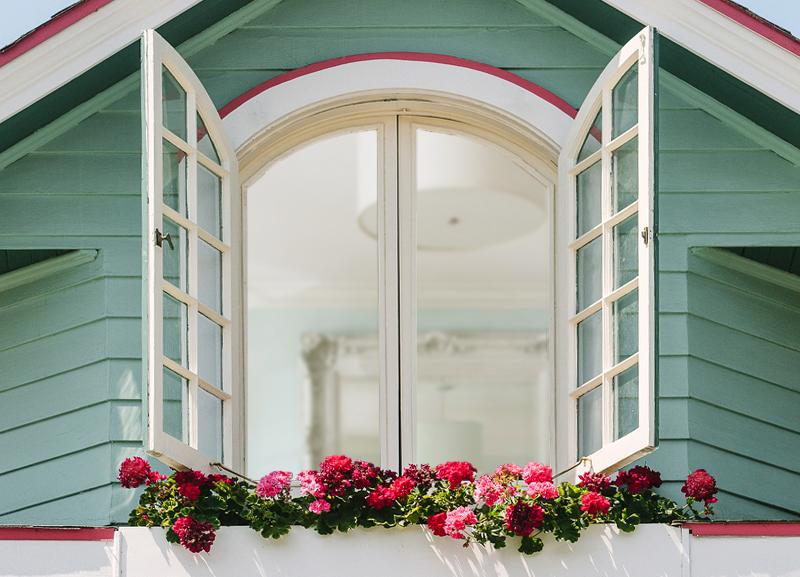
column 70, row 345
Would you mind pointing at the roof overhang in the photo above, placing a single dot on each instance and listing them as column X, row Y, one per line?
column 718, row 31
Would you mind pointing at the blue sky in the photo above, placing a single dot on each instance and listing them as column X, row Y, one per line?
column 19, row 17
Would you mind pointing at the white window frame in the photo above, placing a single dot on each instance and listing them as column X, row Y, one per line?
column 157, row 53
column 612, row 455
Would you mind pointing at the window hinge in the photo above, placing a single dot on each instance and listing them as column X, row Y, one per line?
column 645, row 235
column 160, row 238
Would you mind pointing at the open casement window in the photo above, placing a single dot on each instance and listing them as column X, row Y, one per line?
column 192, row 299
column 607, row 182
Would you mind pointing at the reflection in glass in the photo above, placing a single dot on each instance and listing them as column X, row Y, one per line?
column 590, row 347
column 626, row 326
column 174, row 403
column 312, row 319
column 204, row 142
column 590, row 422
column 626, row 401
column 209, row 271
column 590, row 273
column 209, row 353
column 175, row 314
column 209, row 197
column 174, row 255
column 589, row 198
column 625, row 247
column 625, row 182
column 594, row 139
column 625, row 97
column 174, row 177
column 173, row 104
column 209, row 424
column 482, row 377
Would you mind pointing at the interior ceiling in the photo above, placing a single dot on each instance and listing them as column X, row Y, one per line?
column 786, row 258
column 305, row 238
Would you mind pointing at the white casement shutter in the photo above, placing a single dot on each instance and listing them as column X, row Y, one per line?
column 192, row 269
column 606, row 290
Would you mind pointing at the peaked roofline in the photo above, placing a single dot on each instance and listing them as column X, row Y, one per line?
column 52, row 54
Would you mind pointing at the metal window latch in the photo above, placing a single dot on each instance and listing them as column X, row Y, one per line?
column 160, row 238
column 645, row 235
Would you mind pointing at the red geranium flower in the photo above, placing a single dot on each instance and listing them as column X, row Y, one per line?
column 134, row 472
column 455, row 472
column 522, row 518
column 639, row 478
column 190, row 483
column 700, row 486
column 595, row 504
column 594, row 481
column 195, row 535
column 436, row 524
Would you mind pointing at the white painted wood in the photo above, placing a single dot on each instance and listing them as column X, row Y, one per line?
column 57, row 559
column 613, row 454
column 652, row 551
column 158, row 54
column 296, row 97
column 78, row 48
column 725, row 43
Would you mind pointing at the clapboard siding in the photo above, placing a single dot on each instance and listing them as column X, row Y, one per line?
column 70, row 346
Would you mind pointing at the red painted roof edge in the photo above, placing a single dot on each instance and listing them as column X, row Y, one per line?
column 60, row 21
column 539, row 91
column 756, row 23
column 80, row 10
column 57, row 533
column 745, row 529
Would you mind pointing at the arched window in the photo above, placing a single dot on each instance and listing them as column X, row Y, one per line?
column 417, row 286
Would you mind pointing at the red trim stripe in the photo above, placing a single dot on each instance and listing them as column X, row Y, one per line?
column 59, row 22
column 758, row 25
column 744, row 529
column 532, row 87
column 56, row 533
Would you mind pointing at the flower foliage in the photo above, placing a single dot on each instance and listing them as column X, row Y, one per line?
column 513, row 502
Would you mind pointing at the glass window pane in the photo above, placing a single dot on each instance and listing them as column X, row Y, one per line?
column 589, row 197
column 209, row 351
column 625, row 180
column 209, row 197
column 209, row 272
column 174, row 256
column 590, row 347
column 625, row 98
column 626, row 326
column 482, row 227
column 174, row 177
column 312, row 297
column 590, row 273
column 626, row 401
column 209, row 424
column 175, row 315
column 204, row 142
column 173, row 104
column 626, row 255
column 590, row 422
column 594, row 138
column 174, row 405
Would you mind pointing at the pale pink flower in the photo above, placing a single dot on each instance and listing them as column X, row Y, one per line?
column 457, row 520
column 319, row 507
column 537, row 473
column 543, row 490
column 488, row 491
column 274, row 484
column 310, row 484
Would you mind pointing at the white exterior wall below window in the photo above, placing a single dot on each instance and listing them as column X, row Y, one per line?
column 651, row 551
